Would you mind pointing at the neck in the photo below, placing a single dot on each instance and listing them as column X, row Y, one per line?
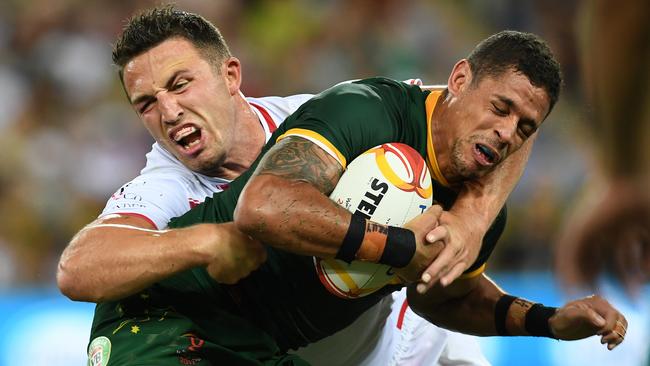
column 249, row 138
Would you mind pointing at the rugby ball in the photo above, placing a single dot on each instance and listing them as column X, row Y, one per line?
column 388, row 184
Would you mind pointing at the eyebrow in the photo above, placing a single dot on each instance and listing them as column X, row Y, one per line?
column 168, row 84
column 510, row 103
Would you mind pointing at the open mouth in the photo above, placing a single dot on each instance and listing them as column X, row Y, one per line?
column 490, row 156
column 187, row 137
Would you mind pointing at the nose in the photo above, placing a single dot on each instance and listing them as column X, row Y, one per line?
column 170, row 110
column 506, row 131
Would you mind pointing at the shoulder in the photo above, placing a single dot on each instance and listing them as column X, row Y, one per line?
column 370, row 93
column 273, row 103
column 160, row 159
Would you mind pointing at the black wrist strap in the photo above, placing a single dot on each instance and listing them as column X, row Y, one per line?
column 400, row 247
column 500, row 313
column 353, row 239
column 536, row 323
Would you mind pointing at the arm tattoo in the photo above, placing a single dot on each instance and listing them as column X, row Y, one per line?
column 373, row 227
column 525, row 304
column 298, row 159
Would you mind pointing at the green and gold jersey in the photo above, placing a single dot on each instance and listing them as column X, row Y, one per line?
column 285, row 297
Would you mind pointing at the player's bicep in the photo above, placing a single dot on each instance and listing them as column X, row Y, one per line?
column 295, row 158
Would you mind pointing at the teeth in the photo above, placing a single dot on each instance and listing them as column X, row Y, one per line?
column 186, row 147
column 184, row 132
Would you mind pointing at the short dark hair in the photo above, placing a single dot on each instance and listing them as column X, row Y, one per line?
column 525, row 52
column 151, row 27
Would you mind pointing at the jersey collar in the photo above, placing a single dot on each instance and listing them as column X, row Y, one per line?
column 265, row 118
column 432, row 162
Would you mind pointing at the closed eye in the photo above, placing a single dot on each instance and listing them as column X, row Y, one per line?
column 145, row 106
column 498, row 111
column 179, row 85
column 526, row 129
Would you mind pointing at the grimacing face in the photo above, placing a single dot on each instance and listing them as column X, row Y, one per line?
column 489, row 121
column 185, row 102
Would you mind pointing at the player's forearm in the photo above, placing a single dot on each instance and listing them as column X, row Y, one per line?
column 480, row 311
column 110, row 261
column 285, row 202
column 469, row 309
column 293, row 216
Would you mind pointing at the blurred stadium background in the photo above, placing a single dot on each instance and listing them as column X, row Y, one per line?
column 69, row 139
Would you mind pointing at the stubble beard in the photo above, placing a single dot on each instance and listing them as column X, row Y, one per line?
column 209, row 166
column 461, row 170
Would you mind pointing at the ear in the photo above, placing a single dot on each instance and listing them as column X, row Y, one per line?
column 460, row 78
column 232, row 69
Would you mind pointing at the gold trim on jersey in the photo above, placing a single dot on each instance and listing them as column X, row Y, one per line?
column 474, row 273
column 319, row 140
column 432, row 162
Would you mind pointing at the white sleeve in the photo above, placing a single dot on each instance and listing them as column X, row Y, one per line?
column 155, row 197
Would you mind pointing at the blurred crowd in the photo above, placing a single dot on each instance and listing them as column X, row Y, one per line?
column 70, row 139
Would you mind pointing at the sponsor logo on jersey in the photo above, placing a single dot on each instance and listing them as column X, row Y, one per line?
column 123, row 205
column 99, row 351
column 123, row 195
column 190, row 355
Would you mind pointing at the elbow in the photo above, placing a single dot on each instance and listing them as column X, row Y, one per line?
column 72, row 285
column 256, row 207
column 67, row 282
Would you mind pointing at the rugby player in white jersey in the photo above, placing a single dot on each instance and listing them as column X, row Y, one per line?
column 184, row 85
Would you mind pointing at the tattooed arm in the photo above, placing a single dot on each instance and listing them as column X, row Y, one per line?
column 285, row 204
column 285, row 200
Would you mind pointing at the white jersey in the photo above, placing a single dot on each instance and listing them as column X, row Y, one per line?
column 166, row 189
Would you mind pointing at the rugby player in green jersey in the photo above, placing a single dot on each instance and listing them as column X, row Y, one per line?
column 494, row 102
